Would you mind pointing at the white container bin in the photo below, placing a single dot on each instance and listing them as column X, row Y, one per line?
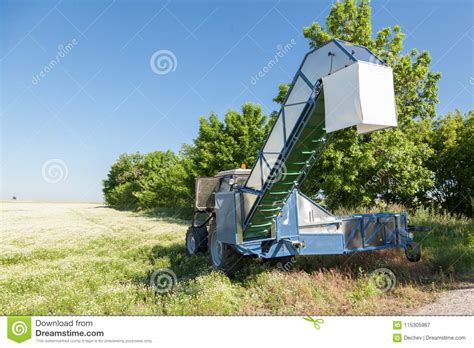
column 360, row 95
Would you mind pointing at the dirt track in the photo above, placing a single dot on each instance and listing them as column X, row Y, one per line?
column 454, row 302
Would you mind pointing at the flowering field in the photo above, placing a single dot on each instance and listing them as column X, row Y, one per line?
column 81, row 258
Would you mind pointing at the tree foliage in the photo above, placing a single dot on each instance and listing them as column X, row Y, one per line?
column 424, row 161
column 164, row 179
column 226, row 145
column 122, row 182
column 453, row 162
column 358, row 170
column 157, row 179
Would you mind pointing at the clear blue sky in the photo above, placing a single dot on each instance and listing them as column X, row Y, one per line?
column 60, row 134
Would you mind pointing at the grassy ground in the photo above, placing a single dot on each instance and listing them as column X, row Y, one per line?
column 86, row 259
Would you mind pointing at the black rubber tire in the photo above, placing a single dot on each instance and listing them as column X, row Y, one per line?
column 200, row 239
column 230, row 260
column 413, row 252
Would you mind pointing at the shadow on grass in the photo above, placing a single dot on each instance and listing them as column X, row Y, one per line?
column 188, row 267
column 351, row 266
column 167, row 215
column 178, row 215
column 177, row 260
column 447, row 256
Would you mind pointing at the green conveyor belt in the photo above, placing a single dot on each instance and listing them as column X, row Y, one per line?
column 301, row 151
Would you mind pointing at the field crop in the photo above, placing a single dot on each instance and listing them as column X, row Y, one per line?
column 78, row 258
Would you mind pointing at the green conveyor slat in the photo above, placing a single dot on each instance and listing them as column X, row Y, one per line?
column 261, row 225
column 265, row 218
column 259, row 231
column 266, row 213
column 271, row 199
column 271, row 209
column 279, row 193
column 298, row 163
column 284, row 183
column 300, row 156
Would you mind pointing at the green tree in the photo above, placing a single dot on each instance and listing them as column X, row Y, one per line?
column 155, row 180
column 453, row 162
column 282, row 90
column 226, row 145
column 163, row 181
column 357, row 170
column 123, row 182
column 155, row 165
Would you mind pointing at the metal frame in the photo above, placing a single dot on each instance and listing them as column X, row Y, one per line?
column 309, row 105
column 362, row 227
column 290, row 245
column 287, row 145
column 324, row 237
column 299, row 73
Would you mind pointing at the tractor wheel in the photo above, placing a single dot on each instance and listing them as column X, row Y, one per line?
column 223, row 255
column 413, row 252
column 196, row 240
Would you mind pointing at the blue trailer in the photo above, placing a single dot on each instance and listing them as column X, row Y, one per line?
column 261, row 212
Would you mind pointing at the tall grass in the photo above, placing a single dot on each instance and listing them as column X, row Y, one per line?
column 85, row 259
column 449, row 246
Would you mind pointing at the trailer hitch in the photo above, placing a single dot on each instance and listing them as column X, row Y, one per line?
column 413, row 249
column 295, row 244
column 413, row 228
column 298, row 244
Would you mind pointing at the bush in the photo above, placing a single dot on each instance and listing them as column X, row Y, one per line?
column 453, row 163
column 423, row 162
column 122, row 182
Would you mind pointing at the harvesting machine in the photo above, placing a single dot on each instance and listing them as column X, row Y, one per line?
column 261, row 212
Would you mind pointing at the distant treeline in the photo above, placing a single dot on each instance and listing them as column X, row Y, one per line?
column 428, row 160
column 387, row 170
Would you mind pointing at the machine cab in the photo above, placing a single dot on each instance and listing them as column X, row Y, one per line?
column 225, row 181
